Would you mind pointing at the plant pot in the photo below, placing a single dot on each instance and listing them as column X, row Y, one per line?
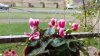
column 27, row 50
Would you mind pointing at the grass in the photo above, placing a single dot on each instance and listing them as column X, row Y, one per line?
column 17, row 28
column 25, row 15
column 95, row 42
column 20, row 28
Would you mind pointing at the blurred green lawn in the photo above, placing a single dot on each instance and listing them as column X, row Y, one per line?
column 20, row 28
column 17, row 28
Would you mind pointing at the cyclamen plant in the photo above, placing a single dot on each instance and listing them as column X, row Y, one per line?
column 51, row 41
column 10, row 53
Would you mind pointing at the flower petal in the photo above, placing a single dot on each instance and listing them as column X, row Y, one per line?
column 31, row 38
column 36, row 35
column 13, row 53
column 31, row 23
column 52, row 23
column 62, row 23
column 27, row 34
column 37, row 22
column 75, row 26
column 6, row 53
column 61, row 32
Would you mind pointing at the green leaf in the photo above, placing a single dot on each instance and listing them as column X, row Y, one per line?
column 60, row 47
column 61, row 50
column 49, row 32
column 57, row 42
column 38, row 51
column 27, row 41
column 52, row 31
column 42, row 32
column 79, row 45
column 68, row 31
column 71, row 46
column 33, row 43
column 86, row 42
column 41, row 49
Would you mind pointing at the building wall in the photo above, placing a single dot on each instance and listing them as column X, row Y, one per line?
column 37, row 3
column 31, row 0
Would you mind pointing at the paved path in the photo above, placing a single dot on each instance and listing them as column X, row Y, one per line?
column 69, row 11
column 93, row 51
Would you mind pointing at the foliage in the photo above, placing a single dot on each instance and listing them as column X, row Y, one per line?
column 90, row 10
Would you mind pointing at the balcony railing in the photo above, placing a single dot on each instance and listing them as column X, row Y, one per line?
column 22, row 38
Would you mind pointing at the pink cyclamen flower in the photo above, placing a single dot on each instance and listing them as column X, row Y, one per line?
column 75, row 26
column 13, row 53
column 52, row 22
column 6, row 53
column 61, row 23
column 33, row 36
column 33, row 23
column 61, row 32
column 10, row 53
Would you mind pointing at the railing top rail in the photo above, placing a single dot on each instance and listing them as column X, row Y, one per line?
column 22, row 38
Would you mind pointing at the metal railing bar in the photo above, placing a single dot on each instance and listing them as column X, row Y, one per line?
column 22, row 38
